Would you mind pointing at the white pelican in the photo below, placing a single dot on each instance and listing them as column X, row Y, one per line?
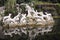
column 16, row 18
column 49, row 18
column 23, row 19
column 6, row 17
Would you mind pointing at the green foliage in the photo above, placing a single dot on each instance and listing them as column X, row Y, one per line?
column 58, row 9
column 23, row 1
column 10, row 7
column 2, row 2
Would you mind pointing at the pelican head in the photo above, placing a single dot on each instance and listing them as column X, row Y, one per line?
column 10, row 14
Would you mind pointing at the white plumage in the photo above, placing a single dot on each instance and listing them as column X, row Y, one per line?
column 6, row 17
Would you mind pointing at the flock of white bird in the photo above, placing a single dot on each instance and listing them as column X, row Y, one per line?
column 39, row 18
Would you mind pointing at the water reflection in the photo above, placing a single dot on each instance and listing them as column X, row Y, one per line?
column 30, row 24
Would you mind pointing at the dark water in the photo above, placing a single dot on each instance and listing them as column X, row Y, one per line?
column 54, row 35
